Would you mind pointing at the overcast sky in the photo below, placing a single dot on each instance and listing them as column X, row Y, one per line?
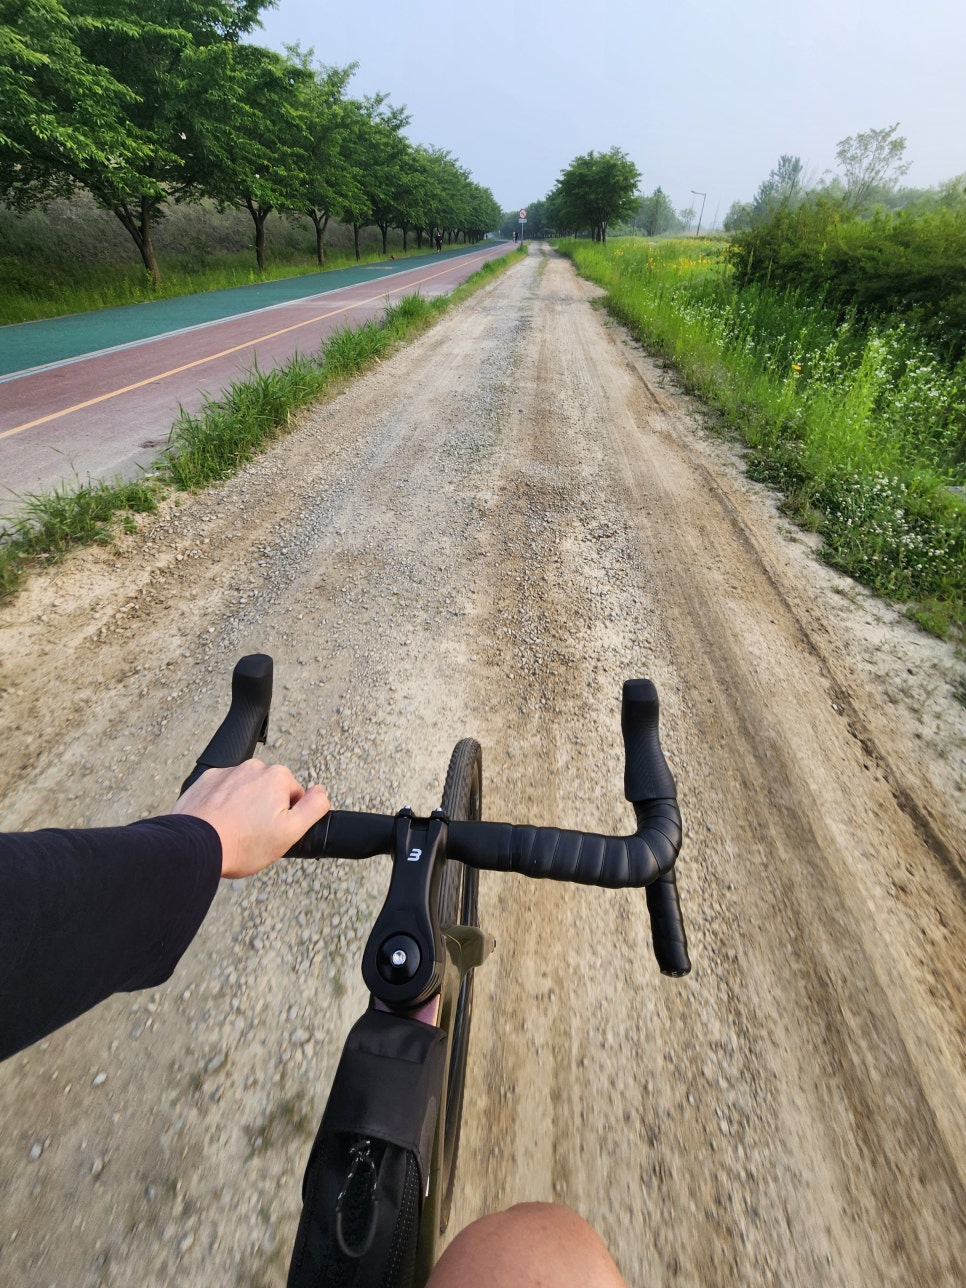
column 700, row 95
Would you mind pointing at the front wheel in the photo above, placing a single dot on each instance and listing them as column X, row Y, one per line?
column 458, row 906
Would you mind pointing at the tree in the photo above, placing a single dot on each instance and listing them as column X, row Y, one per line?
column 452, row 212
column 156, row 52
column 384, row 177
column 330, row 179
column 779, row 190
column 869, row 161
column 417, row 194
column 427, row 191
column 596, row 190
column 739, row 216
column 61, row 112
column 783, row 190
column 374, row 148
column 251, row 145
column 656, row 214
column 484, row 213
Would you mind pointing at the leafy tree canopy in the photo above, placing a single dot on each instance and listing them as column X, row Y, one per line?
column 596, row 191
column 145, row 102
column 62, row 115
column 870, row 160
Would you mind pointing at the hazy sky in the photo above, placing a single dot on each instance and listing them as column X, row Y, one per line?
column 700, row 95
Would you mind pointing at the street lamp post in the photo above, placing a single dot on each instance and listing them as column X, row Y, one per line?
column 704, row 198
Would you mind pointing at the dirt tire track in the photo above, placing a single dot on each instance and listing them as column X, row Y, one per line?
column 485, row 536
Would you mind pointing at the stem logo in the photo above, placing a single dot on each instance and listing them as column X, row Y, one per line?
column 414, row 856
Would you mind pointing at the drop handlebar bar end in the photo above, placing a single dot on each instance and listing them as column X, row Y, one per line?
column 646, row 774
column 648, row 779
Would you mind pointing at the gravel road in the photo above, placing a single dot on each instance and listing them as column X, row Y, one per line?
column 485, row 536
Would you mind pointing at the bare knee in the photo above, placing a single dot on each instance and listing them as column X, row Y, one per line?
column 527, row 1246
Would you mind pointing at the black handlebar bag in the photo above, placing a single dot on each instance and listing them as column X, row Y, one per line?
column 370, row 1163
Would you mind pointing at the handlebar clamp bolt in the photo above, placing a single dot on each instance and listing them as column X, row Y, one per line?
column 398, row 959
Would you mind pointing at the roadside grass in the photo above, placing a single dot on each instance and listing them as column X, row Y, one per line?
column 55, row 522
column 216, row 442
column 862, row 428
column 27, row 293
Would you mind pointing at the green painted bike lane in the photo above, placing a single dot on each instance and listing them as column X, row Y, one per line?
column 50, row 340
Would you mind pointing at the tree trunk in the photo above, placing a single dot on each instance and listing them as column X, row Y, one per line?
column 259, row 214
column 384, row 229
column 140, row 230
column 321, row 223
column 355, row 236
column 405, row 233
column 419, row 239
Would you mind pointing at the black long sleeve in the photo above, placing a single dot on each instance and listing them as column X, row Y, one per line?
column 84, row 914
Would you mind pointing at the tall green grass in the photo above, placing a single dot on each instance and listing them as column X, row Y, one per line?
column 27, row 294
column 72, row 257
column 50, row 525
column 213, row 444
column 863, row 428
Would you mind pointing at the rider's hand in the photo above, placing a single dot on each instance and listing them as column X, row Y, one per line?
column 258, row 810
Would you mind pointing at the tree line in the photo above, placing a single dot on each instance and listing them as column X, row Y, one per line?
column 147, row 102
column 598, row 191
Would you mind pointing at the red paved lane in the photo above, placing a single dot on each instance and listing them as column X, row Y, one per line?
column 110, row 413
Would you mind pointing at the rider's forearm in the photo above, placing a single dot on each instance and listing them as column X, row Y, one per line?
column 84, row 914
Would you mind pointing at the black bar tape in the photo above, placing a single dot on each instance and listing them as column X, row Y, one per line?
column 646, row 775
column 585, row 858
column 667, row 926
column 552, row 853
column 344, row 834
column 246, row 723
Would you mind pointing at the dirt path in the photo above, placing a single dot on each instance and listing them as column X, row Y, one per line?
column 485, row 536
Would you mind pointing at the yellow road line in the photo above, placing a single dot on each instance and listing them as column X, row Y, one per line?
column 225, row 353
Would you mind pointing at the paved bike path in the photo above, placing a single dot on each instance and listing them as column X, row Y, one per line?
column 105, row 411
column 29, row 345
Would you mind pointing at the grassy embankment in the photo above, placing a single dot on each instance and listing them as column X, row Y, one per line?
column 27, row 298
column 227, row 432
column 860, row 422
column 71, row 257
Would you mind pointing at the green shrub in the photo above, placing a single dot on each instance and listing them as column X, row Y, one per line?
column 900, row 266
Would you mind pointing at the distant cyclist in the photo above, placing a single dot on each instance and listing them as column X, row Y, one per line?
column 439, row 241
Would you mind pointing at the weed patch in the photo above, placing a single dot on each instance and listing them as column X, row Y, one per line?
column 56, row 522
column 860, row 424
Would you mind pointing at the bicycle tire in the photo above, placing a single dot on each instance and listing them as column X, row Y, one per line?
column 459, row 905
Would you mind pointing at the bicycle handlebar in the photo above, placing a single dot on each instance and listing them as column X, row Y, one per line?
column 645, row 858
column 557, row 854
